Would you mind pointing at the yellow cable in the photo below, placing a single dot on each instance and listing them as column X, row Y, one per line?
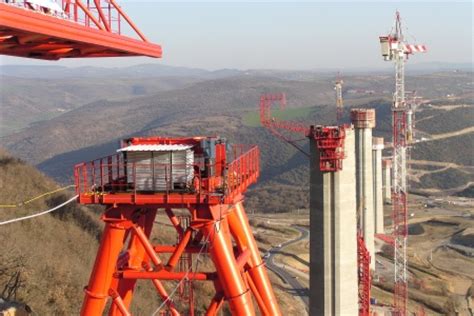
column 35, row 198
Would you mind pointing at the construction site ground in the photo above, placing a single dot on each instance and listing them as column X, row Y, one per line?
column 440, row 254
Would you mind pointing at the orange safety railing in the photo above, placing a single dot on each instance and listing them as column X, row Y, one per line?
column 114, row 174
column 242, row 171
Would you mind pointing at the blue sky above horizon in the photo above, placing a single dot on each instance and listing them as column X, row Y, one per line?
column 296, row 35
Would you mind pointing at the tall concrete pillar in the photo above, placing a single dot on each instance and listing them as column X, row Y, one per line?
column 387, row 180
column 377, row 147
column 333, row 245
column 364, row 121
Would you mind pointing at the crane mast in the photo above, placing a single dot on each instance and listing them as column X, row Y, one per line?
column 395, row 49
column 339, row 101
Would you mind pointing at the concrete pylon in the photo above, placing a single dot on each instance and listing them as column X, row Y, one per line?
column 333, row 242
column 364, row 121
column 387, row 180
column 377, row 147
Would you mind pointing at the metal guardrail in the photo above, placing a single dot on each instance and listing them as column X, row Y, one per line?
column 83, row 14
column 114, row 174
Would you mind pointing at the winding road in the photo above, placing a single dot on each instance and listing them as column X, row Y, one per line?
column 299, row 289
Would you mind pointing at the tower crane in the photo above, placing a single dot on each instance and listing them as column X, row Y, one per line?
column 339, row 102
column 395, row 49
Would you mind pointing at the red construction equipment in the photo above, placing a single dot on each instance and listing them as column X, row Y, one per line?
column 57, row 29
column 363, row 261
column 394, row 48
column 330, row 142
column 274, row 126
column 185, row 290
column 198, row 174
column 328, row 138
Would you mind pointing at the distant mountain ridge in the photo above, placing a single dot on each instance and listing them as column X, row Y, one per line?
column 160, row 71
column 137, row 71
column 227, row 106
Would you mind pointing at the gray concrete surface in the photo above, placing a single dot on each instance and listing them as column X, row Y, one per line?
column 333, row 245
column 377, row 183
column 386, row 180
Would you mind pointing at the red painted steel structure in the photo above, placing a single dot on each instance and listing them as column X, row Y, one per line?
column 75, row 29
column 329, row 139
column 363, row 260
column 330, row 142
column 186, row 288
column 400, row 211
column 214, row 201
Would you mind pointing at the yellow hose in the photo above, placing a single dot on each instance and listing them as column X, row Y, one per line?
column 35, row 198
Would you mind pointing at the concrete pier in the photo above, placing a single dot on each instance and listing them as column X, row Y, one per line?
column 333, row 244
column 387, row 180
column 364, row 121
column 377, row 147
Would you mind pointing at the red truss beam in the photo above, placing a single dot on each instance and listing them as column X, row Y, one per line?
column 329, row 139
column 266, row 119
column 266, row 101
column 78, row 30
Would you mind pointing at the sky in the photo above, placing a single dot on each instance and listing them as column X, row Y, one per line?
column 291, row 35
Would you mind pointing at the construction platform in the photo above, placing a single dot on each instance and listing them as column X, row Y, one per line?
column 176, row 171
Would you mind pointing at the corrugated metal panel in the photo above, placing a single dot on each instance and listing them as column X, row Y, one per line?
column 183, row 171
column 176, row 147
column 139, row 170
column 161, row 170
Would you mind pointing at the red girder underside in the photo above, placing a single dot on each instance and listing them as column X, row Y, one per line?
column 28, row 34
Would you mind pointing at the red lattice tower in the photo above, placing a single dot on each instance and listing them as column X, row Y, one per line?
column 363, row 260
column 156, row 174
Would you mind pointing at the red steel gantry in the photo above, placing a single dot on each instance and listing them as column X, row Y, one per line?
column 197, row 174
column 55, row 29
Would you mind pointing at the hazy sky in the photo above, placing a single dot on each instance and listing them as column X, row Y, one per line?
column 292, row 35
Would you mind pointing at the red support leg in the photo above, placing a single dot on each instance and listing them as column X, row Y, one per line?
column 220, row 247
column 136, row 256
column 100, row 281
column 242, row 233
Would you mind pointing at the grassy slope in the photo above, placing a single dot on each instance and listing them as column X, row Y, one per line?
column 52, row 252
column 447, row 121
